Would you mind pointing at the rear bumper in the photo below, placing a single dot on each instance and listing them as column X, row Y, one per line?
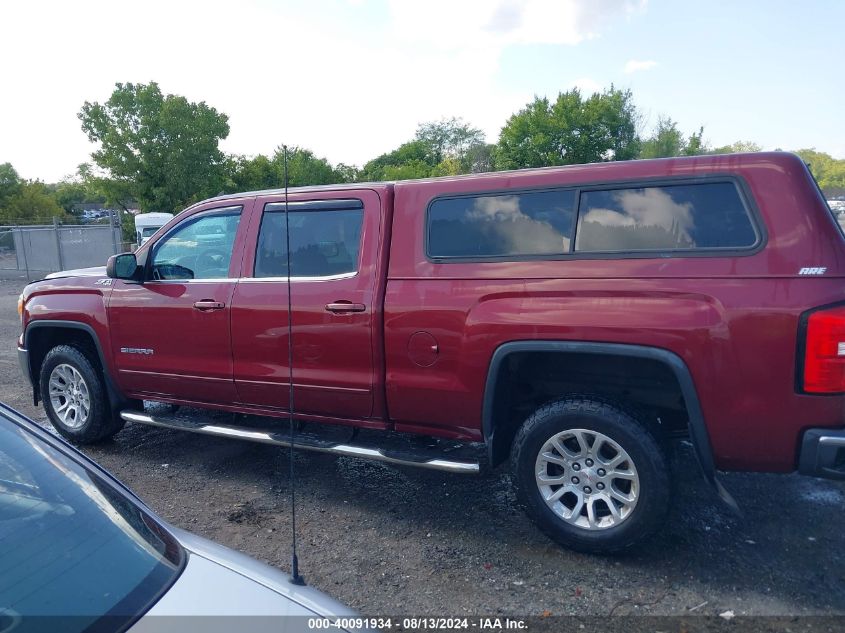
column 23, row 359
column 823, row 453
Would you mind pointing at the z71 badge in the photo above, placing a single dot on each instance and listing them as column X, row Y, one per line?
column 103, row 282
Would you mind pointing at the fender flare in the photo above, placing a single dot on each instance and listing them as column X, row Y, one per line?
column 699, row 436
column 115, row 397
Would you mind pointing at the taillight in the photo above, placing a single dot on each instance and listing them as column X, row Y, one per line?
column 824, row 352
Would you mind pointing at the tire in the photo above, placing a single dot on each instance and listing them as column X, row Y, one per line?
column 78, row 405
column 560, row 454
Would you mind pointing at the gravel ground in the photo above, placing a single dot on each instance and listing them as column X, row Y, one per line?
column 395, row 540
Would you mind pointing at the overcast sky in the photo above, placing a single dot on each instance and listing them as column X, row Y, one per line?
column 351, row 79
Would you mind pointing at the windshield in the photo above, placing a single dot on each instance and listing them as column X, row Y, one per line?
column 71, row 545
column 149, row 231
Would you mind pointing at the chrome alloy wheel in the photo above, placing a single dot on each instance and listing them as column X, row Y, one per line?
column 69, row 396
column 587, row 479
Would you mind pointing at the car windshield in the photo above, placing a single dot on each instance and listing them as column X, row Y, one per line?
column 149, row 231
column 72, row 545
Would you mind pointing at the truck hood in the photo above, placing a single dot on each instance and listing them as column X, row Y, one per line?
column 94, row 271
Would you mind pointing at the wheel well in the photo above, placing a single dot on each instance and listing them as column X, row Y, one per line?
column 525, row 380
column 42, row 339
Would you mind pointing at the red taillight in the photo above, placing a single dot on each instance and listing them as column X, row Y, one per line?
column 824, row 355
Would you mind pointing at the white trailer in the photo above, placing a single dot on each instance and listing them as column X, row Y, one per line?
column 148, row 223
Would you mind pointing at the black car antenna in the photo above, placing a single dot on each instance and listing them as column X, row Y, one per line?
column 295, row 578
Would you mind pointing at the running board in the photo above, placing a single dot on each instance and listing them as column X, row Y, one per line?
column 420, row 459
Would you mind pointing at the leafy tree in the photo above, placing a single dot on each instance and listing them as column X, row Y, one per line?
column 828, row 171
column 33, row 203
column 70, row 193
column 447, row 167
column 479, row 158
column 413, row 159
column 304, row 168
column 439, row 148
column 696, row 144
column 737, row 148
column 162, row 151
column 449, row 138
column 10, row 183
column 251, row 174
column 347, row 173
column 667, row 140
column 570, row 130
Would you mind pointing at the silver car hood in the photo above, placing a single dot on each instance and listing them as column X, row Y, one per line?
column 94, row 271
column 218, row 581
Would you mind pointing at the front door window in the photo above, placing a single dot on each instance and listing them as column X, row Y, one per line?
column 199, row 248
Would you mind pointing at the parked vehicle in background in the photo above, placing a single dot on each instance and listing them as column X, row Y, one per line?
column 576, row 320
column 146, row 224
column 78, row 547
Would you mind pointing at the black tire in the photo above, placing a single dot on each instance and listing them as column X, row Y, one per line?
column 650, row 465
column 100, row 422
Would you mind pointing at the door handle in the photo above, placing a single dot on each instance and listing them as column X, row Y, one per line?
column 345, row 306
column 207, row 305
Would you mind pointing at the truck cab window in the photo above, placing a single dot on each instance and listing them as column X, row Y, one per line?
column 199, row 248
column 323, row 243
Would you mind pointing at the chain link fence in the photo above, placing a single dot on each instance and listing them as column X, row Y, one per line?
column 36, row 250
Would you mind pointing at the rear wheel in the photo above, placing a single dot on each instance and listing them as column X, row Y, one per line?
column 591, row 475
column 75, row 396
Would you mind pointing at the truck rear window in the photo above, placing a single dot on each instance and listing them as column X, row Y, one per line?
column 323, row 243
column 665, row 218
column 502, row 225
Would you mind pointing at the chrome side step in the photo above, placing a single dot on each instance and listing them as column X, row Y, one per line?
column 421, row 459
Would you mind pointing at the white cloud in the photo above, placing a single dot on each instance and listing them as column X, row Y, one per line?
column 281, row 74
column 587, row 86
column 496, row 23
column 636, row 65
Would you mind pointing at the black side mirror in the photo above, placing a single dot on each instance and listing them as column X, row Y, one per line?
column 123, row 266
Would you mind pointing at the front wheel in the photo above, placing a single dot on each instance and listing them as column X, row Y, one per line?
column 591, row 475
column 75, row 397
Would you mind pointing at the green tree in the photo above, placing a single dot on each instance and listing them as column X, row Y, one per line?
column 828, row 171
column 251, row 174
column 304, row 168
column 159, row 150
column 10, row 183
column 440, row 148
column 449, row 138
column 737, row 148
column 33, row 203
column 570, row 130
column 413, row 159
column 480, row 158
column 667, row 141
column 696, row 144
column 72, row 192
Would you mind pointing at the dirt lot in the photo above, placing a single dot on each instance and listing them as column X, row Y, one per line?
column 391, row 540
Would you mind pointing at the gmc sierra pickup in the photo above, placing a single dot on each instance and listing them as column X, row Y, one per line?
column 575, row 320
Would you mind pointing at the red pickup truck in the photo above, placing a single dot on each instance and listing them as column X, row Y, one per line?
column 574, row 320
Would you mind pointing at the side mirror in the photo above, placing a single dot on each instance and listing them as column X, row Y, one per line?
column 123, row 266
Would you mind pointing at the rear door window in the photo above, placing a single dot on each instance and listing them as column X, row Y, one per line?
column 323, row 242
